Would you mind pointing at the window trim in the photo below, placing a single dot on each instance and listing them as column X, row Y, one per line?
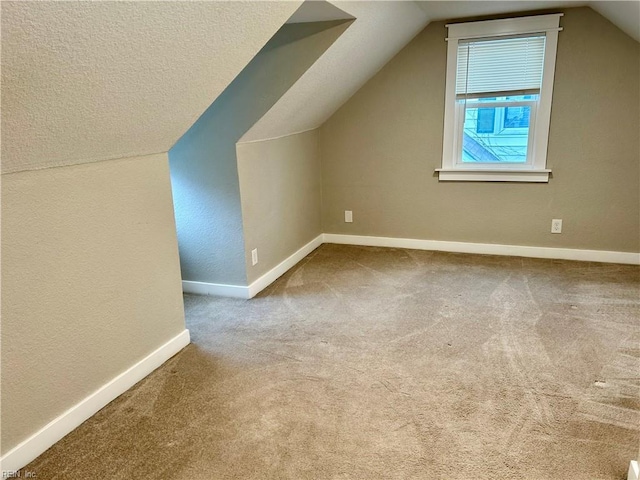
column 534, row 170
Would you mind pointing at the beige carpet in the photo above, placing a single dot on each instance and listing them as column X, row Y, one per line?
column 370, row 363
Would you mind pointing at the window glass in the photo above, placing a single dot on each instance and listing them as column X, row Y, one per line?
column 517, row 117
column 486, row 120
column 496, row 134
column 499, row 88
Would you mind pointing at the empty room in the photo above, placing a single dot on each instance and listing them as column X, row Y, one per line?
column 320, row 239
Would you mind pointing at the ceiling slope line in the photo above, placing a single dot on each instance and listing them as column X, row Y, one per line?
column 380, row 30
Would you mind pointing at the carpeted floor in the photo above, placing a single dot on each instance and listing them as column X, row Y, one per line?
column 371, row 363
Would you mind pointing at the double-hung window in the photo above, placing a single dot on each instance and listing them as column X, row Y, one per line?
column 498, row 99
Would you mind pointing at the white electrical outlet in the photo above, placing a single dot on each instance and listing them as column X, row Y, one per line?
column 556, row 225
column 254, row 256
column 348, row 216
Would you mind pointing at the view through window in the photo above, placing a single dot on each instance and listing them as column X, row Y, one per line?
column 499, row 88
column 497, row 129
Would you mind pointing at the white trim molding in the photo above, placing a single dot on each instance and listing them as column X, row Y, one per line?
column 487, row 249
column 247, row 292
column 634, row 471
column 504, row 26
column 491, row 175
column 534, row 169
column 35, row 445
column 276, row 272
column 218, row 289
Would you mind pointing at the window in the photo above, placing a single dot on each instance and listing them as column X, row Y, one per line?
column 498, row 99
column 517, row 117
column 485, row 120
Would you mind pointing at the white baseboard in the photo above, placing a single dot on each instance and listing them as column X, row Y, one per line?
column 634, row 471
column 246, row 292
column 35, row 445
column 219, row 289
column 487, row 248
column 276, row 272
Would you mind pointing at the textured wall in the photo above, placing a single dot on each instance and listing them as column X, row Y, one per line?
column 90, row 283
column 203, row 163
column 87, row 81
column 280, row 187
column 379, row 152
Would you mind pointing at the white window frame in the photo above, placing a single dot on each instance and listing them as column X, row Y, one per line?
column 535, row 169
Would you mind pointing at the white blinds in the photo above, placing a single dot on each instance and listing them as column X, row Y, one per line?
column 500, row 66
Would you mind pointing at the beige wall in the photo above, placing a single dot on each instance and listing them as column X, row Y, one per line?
column 90, row 282
column 379, row 152
column 280, row 189
column 203, row 162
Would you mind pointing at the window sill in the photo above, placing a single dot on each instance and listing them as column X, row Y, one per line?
column 491, row 175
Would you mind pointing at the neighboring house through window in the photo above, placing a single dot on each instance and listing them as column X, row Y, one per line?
column 498, row 99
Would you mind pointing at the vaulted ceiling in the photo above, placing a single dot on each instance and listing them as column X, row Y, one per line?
column 624, row 14
column 90, row 81
column 381, row 29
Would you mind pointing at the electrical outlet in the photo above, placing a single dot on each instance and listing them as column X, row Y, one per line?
column 348, row 216
column 556, row 225
column 254, row 256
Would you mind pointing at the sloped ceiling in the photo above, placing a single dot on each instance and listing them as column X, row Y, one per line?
column 89, row 81
column 624, row 14
column 380, row 30
column 318, row 11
